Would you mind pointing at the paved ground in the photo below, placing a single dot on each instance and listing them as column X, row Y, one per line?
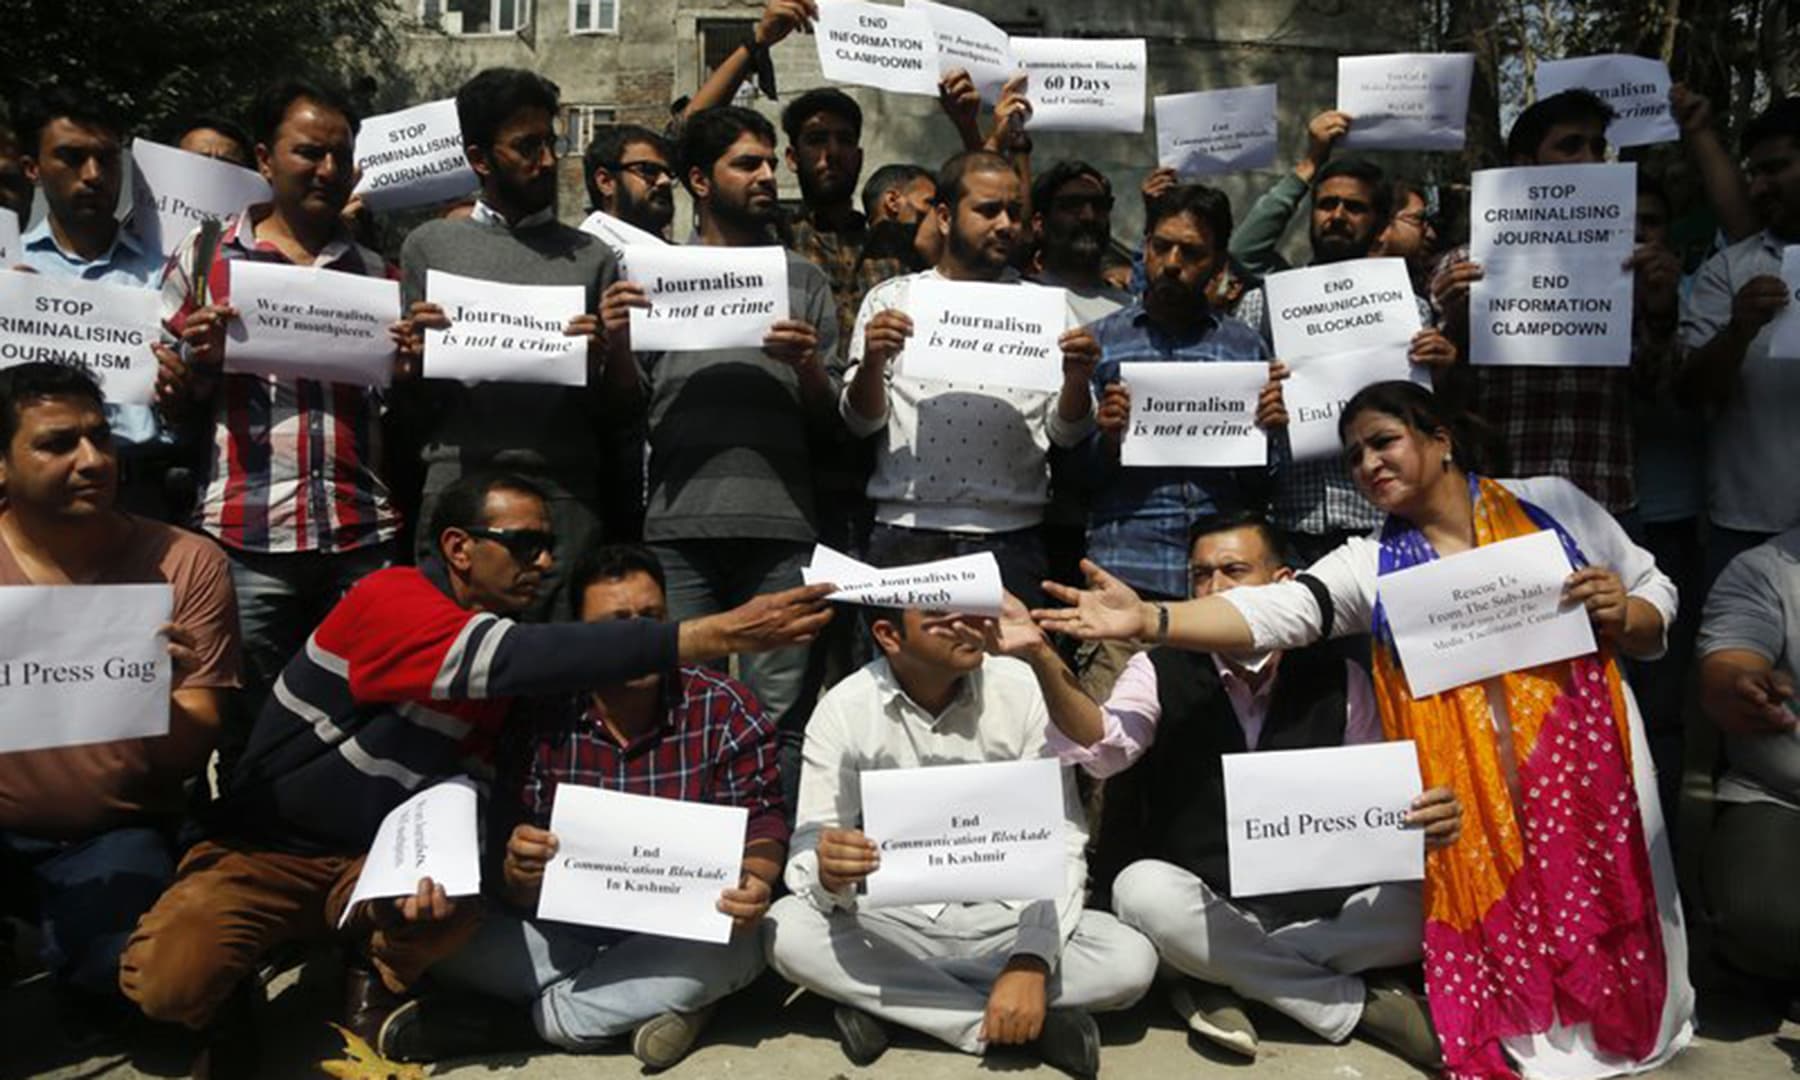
column 766, row 1035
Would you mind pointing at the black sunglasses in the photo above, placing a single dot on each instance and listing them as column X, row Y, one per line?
column 524, row 545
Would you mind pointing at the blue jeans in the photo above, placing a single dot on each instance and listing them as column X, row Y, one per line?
column 87, row 896
column 586, row 985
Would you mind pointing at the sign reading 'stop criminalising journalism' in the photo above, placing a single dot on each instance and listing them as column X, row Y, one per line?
column 107, row 329
column 413, row 157
column 1553, row 242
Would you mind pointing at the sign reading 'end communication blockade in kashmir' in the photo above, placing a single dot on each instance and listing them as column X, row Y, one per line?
column 1552, row 242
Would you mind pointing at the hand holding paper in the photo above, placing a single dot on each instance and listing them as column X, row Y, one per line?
column 967, row 583
column 424, row 853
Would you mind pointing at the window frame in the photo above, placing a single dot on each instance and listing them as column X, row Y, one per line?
column 521, row 12
column 576, row 30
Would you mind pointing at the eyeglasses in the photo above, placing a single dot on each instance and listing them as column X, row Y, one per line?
column 524, row 545
column 649, row 172
column 1075, row 204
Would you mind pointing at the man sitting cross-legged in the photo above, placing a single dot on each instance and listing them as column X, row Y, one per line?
column 682, row 732
column 973, row 975
column 1158, row 743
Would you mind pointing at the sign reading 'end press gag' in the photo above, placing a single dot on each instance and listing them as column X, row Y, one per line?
column 82, row 664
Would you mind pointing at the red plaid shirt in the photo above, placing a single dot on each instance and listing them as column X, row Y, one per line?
column 1572, row 422
column 713, row 745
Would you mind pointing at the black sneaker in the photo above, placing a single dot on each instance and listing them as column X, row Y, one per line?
column 1070, row 1041
column 863, row 1037
column 448, row 1025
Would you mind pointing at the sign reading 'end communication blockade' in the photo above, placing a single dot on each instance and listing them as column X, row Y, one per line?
column 413, row 157
column 706, row 297
column 1553, row 242
column 82, row 664
column 107, row 329
column 1216, row 131
column 1321, row 819
column 1083, row 84
column 1198, row 415
column 966, row 833
column 505, row 333
column 877, row 45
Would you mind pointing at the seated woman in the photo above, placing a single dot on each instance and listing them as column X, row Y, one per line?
column 1554, row 943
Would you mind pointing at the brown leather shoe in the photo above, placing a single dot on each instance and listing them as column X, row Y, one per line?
column 367, row 1001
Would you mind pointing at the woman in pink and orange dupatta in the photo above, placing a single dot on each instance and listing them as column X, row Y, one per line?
column 1554, row 943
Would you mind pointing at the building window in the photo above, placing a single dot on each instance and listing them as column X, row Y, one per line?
column 578, row 125
column 719, row 38
column 593, row 16
column 469, row 18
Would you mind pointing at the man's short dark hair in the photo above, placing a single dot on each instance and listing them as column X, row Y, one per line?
column 610, row 562
column 1366, row 171
column 916, row 546
column 1229, row 520
column 1779, row 119
column 1569, row 107
column 231, row 129
column 1051, row 180
column 486, row 102
column 607, row 149
column 463, row 505
column 950, row 189
column 25, row 383
column 1208, row 205
column 710, row 132
column 273, row 103
column 37, row 109
column 886, row 179
column 826, row 99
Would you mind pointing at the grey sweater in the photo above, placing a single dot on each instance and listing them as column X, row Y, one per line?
column 554, row 430
column 731, row 448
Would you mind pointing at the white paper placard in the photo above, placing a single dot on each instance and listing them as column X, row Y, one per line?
column 1565, row 309
column 971, row 332
column 880, row 45
column 1405, row 101
column 1484, row 612
column 83, row 664
column 617, row 234
column 1083, row 84
column 413, row 157
column 1208, row 132
column 965, row 833
column 1195, row 415
column 431, row 835
column 970, row 43
column 1552, row 241
column 505, row 333
column 648, row 865
column 1784, row 338
column 303, row 322
column 966, row 583
column 12, row 251
column 1341, row 307
column 106, row 328
column 1318, row 387
column 174, row 191
column 1322, row 819
column 1637, row 87
column 706, row 297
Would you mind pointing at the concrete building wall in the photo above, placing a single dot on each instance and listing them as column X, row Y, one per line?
column 656, row 56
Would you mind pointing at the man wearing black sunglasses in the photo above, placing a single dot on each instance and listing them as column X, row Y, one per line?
column 629, row 179
column 406, row 683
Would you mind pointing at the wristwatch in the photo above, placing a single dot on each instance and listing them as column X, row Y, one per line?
column 1162, row 624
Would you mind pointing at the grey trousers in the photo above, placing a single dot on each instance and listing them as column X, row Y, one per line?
column 585, row 986
column 1303, row 969
column 934, row 975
